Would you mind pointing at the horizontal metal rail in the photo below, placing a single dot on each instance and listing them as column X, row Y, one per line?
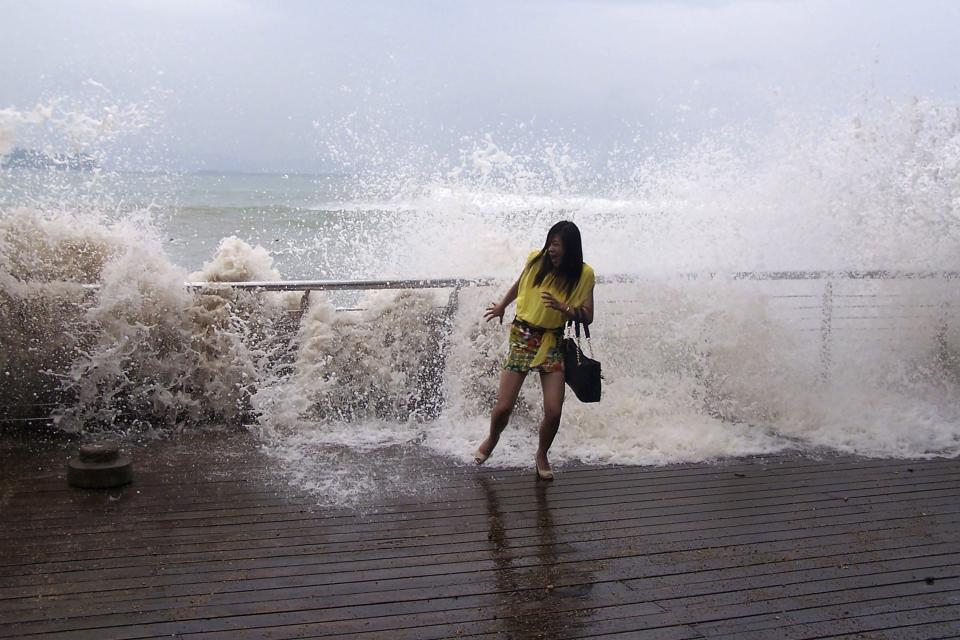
column 873, row 274
column 453, row 283
column 344, row 285
column 824, row 309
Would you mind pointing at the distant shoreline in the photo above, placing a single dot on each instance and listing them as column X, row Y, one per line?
column 33, row 160
column 20, row 158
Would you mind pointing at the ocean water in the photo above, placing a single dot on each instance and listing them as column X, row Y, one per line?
column 699, row 364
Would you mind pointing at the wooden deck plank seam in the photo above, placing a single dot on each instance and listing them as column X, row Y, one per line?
column 785, row 511
column 224, row 577
column 702, row 574
column 703, row 534
column 255, row 617
column 848, row 492
column 587, row 489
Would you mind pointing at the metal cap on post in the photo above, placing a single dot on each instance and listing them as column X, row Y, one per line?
column 99, row 466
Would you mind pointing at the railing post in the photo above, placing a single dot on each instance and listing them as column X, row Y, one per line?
column 304, row 305
column 453, row 302
column 949, row 360
column 826, row 329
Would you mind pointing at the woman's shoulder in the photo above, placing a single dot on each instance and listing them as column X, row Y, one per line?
column 587, row 278
column 530, row 258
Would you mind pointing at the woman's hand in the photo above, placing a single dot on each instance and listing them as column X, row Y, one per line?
column 553, row 303
column 495, row 310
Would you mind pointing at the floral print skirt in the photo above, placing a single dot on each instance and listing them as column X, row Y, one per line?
column 525, row 342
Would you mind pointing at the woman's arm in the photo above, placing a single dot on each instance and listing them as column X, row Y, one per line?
column 586, row 309
column 497, row 309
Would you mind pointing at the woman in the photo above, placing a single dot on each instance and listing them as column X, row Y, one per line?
column 555, row 285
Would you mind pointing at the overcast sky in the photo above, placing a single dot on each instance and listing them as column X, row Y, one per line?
column 273, row 86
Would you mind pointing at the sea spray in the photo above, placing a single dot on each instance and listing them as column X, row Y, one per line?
column 700, row 364
column 45, row 261
column 167, row 356
column 381, row 363
column 344, row 412
column 662, row 357
column 58, row 233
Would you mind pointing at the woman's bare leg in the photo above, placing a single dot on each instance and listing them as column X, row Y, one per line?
column 510, row 383
column 553, row 392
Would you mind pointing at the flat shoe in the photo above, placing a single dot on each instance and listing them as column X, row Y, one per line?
column 544, row 474
column 479, row 457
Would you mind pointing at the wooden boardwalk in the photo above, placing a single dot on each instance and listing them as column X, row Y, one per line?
column 209, row 543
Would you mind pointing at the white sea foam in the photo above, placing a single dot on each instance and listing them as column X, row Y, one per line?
column 696, row 368
column 707, row 368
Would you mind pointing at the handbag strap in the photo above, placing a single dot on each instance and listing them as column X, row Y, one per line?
column 576, row 322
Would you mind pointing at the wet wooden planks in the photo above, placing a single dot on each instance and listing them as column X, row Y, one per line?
column 211, row 543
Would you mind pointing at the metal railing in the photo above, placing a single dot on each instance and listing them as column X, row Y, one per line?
column 454, row 283
column 343, row 285
column 828, row 299
column 828, row 306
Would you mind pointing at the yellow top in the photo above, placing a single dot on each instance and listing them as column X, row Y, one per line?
column 530, row 307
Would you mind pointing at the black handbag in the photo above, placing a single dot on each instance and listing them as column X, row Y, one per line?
column 582, row 373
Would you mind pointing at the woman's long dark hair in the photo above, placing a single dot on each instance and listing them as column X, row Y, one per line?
column 568, row 273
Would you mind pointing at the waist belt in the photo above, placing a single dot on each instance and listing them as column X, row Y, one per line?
column 532, row 327
column 549, row 339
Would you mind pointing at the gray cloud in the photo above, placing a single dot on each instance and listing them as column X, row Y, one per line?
column 269, row 85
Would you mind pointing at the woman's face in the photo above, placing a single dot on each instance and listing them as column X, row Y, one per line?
column 555, row 250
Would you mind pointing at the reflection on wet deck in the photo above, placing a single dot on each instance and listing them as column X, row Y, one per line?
column 209, row 543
